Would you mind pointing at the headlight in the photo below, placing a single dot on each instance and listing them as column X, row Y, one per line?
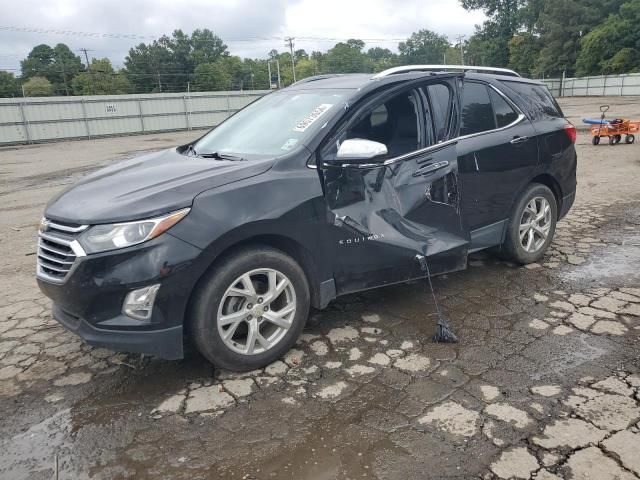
column 101, row 238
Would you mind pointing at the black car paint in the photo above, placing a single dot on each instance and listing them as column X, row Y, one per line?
column 343, row 243
column 146, row 186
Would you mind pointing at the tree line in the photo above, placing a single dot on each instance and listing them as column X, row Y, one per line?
column 202, row 62
column 537, row 38
column 546, row 38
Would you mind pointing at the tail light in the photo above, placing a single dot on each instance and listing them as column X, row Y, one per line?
column 570, row 130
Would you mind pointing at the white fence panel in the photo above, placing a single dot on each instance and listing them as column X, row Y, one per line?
column 26, row 120
column 601, row 85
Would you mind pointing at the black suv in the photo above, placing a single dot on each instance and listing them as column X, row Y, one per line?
column 331, row 186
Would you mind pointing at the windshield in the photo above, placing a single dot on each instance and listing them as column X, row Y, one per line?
column 274, row 124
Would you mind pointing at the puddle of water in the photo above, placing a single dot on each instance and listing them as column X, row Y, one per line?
column 32, row 453
column 614, row 263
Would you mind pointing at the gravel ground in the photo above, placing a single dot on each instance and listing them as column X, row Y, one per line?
column 544, row 384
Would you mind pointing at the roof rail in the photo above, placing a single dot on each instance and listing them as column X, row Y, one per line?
column 317, row 77
column 445, row 68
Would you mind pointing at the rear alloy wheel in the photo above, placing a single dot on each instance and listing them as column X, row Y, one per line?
column 532, row 225
column 535, row 224
column 629, row 139
column 249, row 310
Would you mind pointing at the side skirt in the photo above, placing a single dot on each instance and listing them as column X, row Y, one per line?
column 488, row 236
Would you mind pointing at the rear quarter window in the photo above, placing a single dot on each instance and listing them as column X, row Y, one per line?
column 538, row 97
column 477, row 113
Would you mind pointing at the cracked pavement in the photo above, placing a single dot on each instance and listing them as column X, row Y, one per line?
column 544, row 384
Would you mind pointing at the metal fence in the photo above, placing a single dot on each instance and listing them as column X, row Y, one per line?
column 29, row 120
column 601, row 85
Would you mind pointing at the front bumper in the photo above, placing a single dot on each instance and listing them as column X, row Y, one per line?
column 89, row 301
column 165, row 343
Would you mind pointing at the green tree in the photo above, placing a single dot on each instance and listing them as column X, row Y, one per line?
column 347, row 57
column 38, row 87
column 211, row 77
column 9, row 85
column 306, row 68
column 37, row 62
column 561, row 25
column 59, row 65
column 382, row 58
column 423, row 47
column 453, row 56
column 613, row 46
column 66, row 65
column 490, row 44
column 625, row 60
column 167, row 64
column 523, row 51
column 206, row 47
column 101, row 79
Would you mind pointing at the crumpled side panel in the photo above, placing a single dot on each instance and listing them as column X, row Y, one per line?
column 384, row 215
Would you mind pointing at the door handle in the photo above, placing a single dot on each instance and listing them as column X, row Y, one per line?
column 519, row 140
column 429, row 169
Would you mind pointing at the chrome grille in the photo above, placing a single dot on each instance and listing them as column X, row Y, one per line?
column 58, row 249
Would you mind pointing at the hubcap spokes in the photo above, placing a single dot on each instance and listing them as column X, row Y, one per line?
column 256, row 311
column 535, row 224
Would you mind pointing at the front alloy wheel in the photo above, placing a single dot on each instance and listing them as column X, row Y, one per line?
column 249, row 308
column 256, row 311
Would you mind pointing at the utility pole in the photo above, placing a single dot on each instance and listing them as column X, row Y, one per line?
column 159, row 83
column 289, row 42
column 269, row 67
column 460, row 38
column 279, row 80
column 86, row 57
column 64, row 78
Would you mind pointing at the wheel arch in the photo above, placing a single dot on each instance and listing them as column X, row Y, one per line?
column 285, row 244
column 548, row 181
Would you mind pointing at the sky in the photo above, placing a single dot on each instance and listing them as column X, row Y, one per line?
column 250, row 28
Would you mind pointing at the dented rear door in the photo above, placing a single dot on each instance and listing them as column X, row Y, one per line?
column 382, row 215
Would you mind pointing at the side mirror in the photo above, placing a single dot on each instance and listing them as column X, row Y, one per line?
column 358, row 149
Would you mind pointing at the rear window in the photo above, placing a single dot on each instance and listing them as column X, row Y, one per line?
column 537, row 95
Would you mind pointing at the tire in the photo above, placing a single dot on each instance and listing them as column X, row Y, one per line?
column 213, row 299
column 595, row 140
column 618, row 138
column 629, row 139
column 612, row 140
column 513, row 248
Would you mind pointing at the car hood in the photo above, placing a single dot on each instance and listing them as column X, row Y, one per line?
column 146, row 186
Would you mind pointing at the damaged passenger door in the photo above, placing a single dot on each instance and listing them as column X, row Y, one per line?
column 391, row 187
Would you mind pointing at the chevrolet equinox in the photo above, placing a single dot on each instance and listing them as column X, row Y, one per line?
column 330, row 186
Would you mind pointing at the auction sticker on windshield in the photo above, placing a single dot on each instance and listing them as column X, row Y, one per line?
column 307, row 121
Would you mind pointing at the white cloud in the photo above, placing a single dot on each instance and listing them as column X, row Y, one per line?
column 250, row 27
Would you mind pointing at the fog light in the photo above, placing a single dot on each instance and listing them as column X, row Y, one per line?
column 139, row 303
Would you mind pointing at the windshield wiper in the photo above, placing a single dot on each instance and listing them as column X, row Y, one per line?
column 221, row 156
